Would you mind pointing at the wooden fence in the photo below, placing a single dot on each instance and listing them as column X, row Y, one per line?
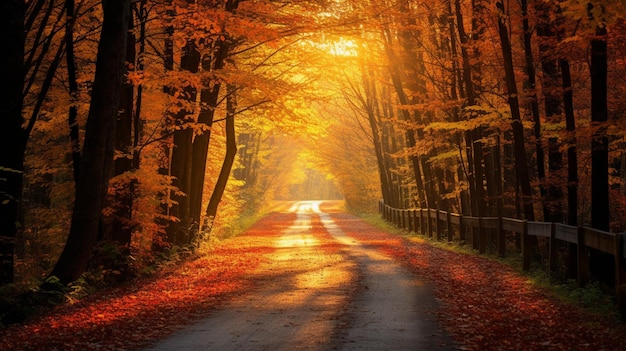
column 483, row 231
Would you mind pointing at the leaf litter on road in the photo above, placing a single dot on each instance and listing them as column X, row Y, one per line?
column 486, row 305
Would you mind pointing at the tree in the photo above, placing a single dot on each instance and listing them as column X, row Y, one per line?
column 229, row 159
column 28, row 68
column 521, row 163
column 12, row 136
column 212, row 62
column 600, row 216
column 98, row 148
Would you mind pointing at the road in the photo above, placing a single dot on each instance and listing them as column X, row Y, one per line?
column 314, row 297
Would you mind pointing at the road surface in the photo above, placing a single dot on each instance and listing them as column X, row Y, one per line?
column 314, row 298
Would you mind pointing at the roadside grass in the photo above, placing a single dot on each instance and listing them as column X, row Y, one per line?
column 592, row 298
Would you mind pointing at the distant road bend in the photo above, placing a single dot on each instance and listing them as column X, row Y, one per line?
column 312, row 298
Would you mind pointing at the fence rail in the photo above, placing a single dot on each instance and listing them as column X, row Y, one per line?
column 485, row 230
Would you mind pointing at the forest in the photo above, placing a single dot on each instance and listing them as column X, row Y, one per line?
column 134, row 131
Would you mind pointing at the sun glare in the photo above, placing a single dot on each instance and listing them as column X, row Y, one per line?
column 335, row 47
column 343, row 47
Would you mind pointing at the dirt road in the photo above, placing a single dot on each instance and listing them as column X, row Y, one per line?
column 321, row 292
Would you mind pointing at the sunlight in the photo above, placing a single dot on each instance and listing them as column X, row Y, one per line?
column 335, row 47
column 343, row 47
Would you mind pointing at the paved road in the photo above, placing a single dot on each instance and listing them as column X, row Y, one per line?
column 312, row 299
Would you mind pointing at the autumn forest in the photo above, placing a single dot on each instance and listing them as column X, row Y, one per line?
column 134, row 132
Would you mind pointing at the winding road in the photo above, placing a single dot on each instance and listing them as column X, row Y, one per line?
column 312, row 298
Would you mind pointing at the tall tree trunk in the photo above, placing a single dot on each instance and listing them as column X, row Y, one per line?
column 405, row 116
column 601, row 264
column 138, row 122
column 229, row 159
column 181, row 164
column 12, row 135
column 552, row 192
column 456, row 92
column 121, row 220
column 572, row 164
column 600, row 213
column 572, row 159
column 388, row 149
column 209, row 99
column 472, row 146
column 370, row 102
column 97, row 157
column 200, row 148
column 521, row 164
column 159, row 243
column 73, row 87
column 534, row 103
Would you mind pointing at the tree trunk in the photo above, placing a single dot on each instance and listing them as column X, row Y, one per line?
column 405, row 116
column 180, row 167
column 12, row 136
column 601, row 264
column 158, row 242
column 121, row 220
column 572, row 164
column 97, row 157
column 472, row 146
column 572, row 159
column 209, row 100
column 552, row 192
column 521, row 164
column 534, row 103
column 138, row 122
column 600, row 212
column 229, row 159
column 370, row 104
column 72, row 119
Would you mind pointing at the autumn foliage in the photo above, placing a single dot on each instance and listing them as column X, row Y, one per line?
column 132, row 131
column 135, row 314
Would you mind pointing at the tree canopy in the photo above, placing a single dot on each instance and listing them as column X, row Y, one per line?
column 218, row 108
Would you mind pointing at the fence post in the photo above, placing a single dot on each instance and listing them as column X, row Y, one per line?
column 398, row 219
column 482, row 236
column 475, row 236
column 437, row 225
column 501, row 239
column 407, row 220
column 429, row 233
column 620, row 274
column 583, row 259
column 421, row 222
column 461, row 228
column 554, row 249
column 449, row 227
column 525, row 247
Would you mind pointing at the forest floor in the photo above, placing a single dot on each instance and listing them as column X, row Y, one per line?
column 322, row 279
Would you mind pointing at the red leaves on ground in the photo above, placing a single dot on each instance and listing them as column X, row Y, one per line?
column 487, row 305
column 130, row 317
